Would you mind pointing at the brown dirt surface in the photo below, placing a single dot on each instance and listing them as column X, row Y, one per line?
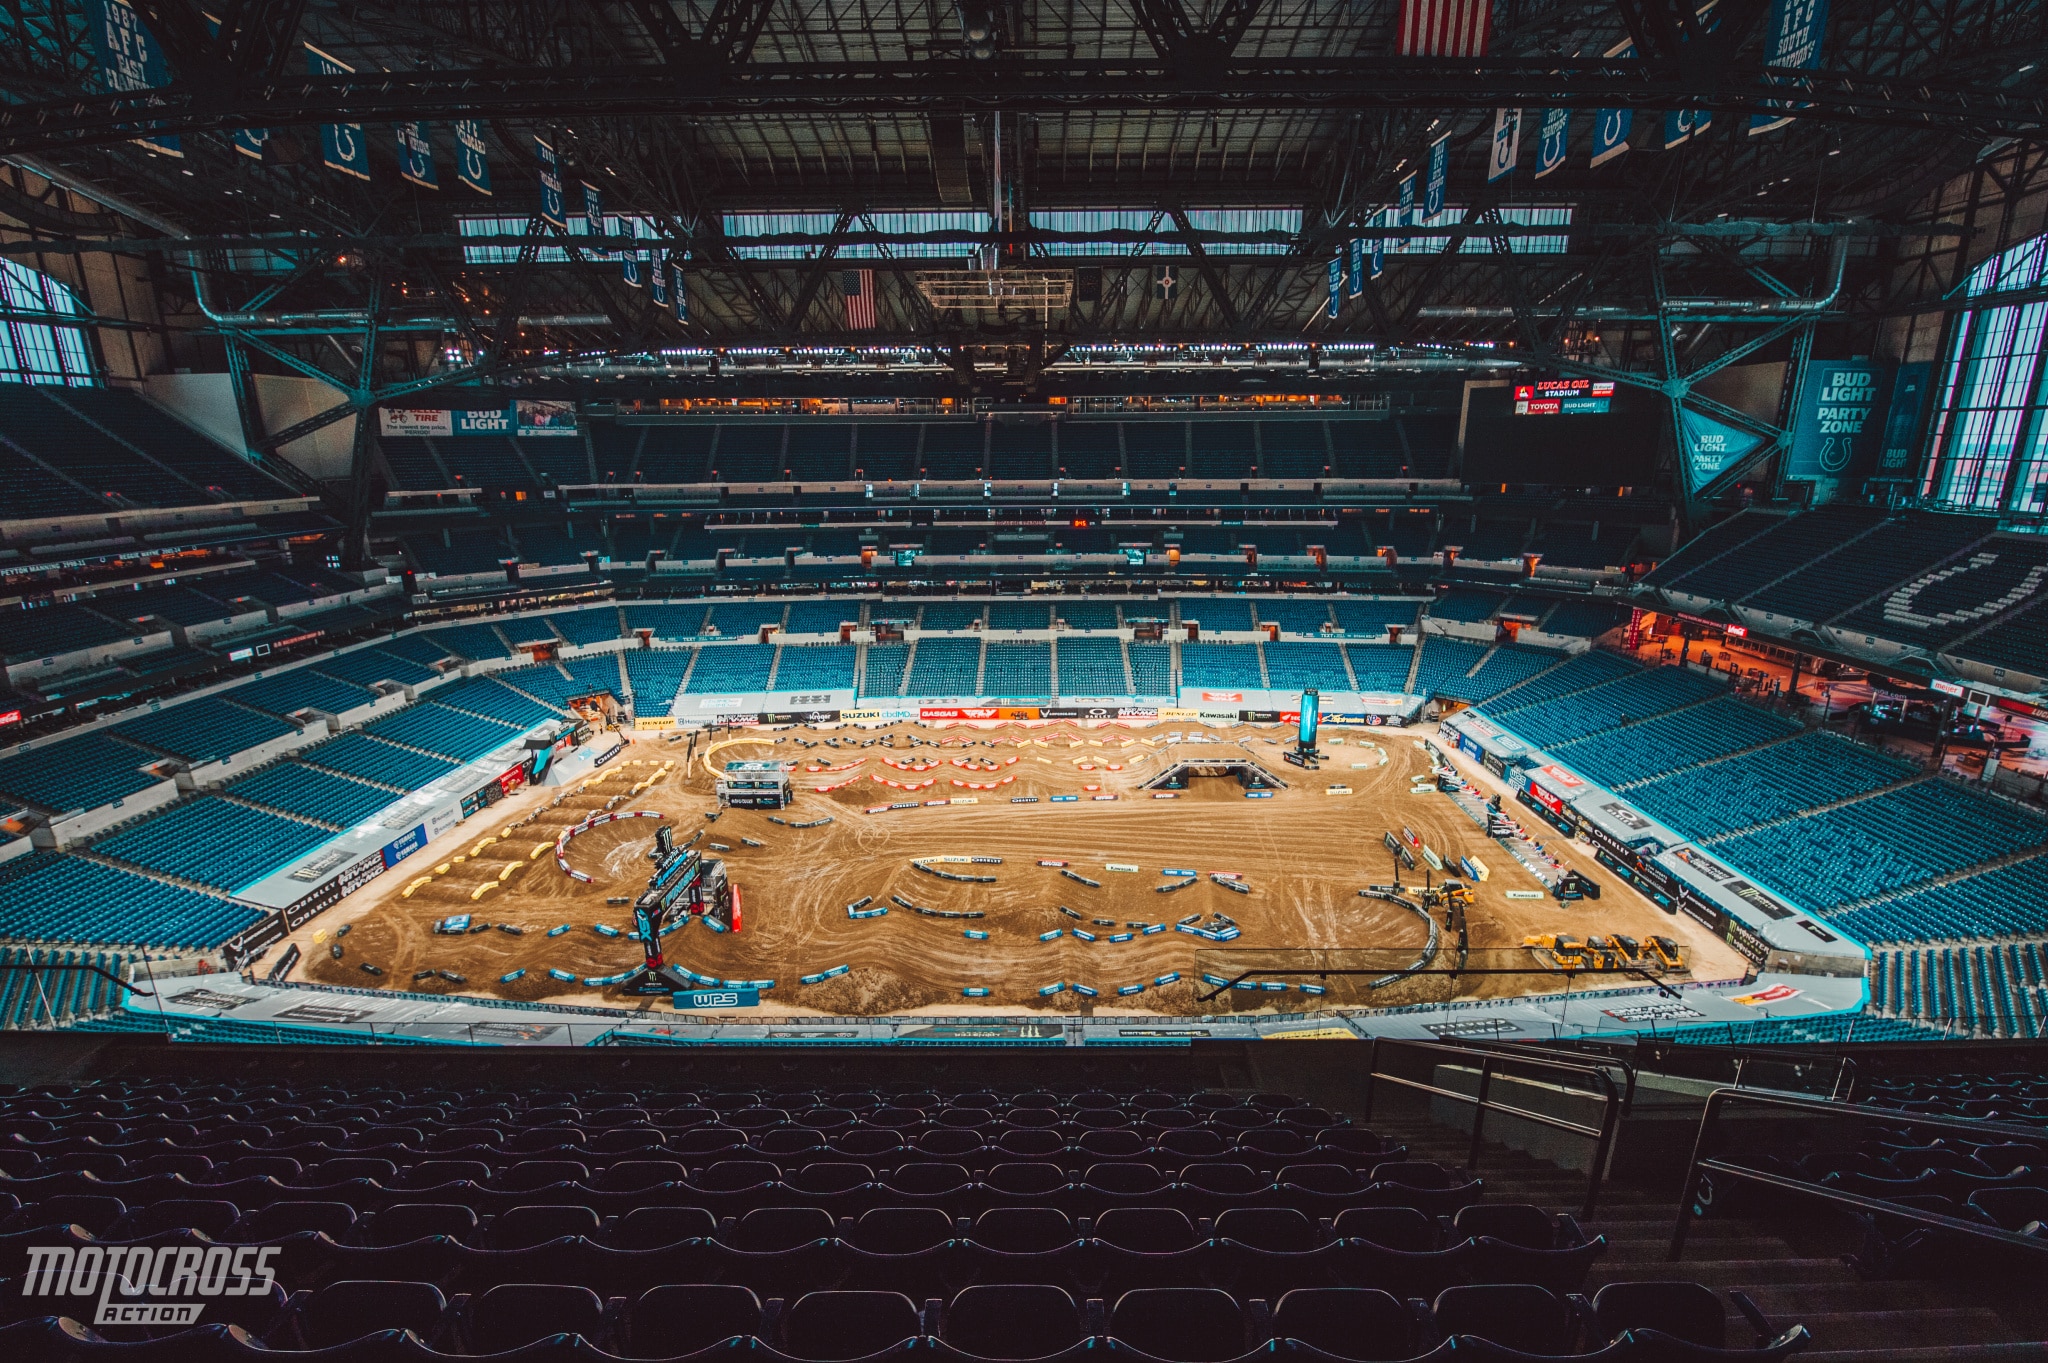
column 1304, row 853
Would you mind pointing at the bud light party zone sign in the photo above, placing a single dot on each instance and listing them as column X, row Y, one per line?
column 1840, row 420
column 146, row 1284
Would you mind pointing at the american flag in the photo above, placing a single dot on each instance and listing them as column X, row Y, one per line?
column 859, row 288
column 1445, row 28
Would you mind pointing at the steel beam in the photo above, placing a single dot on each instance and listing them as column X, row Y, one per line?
column 1014, row 85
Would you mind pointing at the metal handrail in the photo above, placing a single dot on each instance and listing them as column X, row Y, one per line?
column 1702, row 1163
column 1483, row 1102
column 1560, row 1052
column 1840, row 1090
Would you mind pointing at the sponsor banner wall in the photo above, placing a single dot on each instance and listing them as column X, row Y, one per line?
column 1232, row 701
column 707, row 708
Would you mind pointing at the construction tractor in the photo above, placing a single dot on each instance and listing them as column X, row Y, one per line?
column 1451, row 892
column 1603, row 954
column 1666, row 953
column 1564, row 948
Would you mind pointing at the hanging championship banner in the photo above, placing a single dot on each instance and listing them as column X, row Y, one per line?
column 657, row 282
column 416, row 156
column 551, row 210
column 1379, row 245
column 1336, row 285
column 1507, row 143
column 1554, row 138
column 1792, row 40
column 1407, row 200
column 128, row 60
column 1712, row 447
column 1611, row 126
column 472, row 167
column 679, row 292
column 1439, row 176
column 250, row 142
column 629, row 267
column 594, row 217
column 1682, row 125
column 342, row 146
column 1354, row 280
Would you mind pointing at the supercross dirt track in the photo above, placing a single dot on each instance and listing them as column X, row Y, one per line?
column 1303, row 852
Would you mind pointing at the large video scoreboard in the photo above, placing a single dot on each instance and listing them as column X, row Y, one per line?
column 1564, row 397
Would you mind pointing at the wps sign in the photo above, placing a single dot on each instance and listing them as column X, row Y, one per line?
column 716, row 998
column 148, row 1284
column 1840, row 419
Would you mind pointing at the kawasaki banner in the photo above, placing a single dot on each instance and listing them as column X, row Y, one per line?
column 1712, row 447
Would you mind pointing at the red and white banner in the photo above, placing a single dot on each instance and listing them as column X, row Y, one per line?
column 984, row 785
column 1444, row 28
column 841, row 785
column 908, row 766
column 903, row 785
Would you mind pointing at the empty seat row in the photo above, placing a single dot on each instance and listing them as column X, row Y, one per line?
column 1005, row 1321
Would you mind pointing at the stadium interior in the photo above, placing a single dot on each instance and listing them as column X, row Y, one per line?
column 1503, row 540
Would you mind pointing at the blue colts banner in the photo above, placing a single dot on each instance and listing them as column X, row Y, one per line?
column 1792, row 39
column 128, row 60
column 342, row 146
column 416, row 156
column 1439, row 175
column 1379, row 244
column 1336, row 285
column 1507, row 143
column 472, row 166
column 1354, row 283
column 1611, row 126
column 681, row 294
column 1682, row 125
column 250, row 142
column 657, row 283
column 551, row 211
column 1407, row 201
column 1610, row 134
column 593, row 210
column 1552, row 141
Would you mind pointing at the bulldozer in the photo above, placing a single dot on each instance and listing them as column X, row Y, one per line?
column 1563, row 948
column 1666, row 952
column 1450, row 892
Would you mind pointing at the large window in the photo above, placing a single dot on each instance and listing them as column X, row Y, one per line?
column 37, row 344
column 1990, row 442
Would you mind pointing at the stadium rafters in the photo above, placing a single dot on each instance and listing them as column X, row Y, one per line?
column 1201, row 163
